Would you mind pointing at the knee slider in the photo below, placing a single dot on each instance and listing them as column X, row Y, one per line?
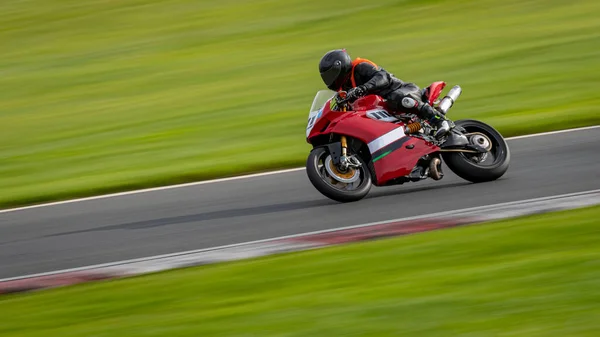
column 409, row 103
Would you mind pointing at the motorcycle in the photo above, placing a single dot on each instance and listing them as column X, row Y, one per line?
column 356, row 145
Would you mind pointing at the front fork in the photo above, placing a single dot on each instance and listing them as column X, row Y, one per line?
column 339, row 155
column 344, row 158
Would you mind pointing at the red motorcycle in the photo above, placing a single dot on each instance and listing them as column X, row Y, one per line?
column 360, row 144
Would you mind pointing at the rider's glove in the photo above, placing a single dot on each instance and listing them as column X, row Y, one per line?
column 356, row 93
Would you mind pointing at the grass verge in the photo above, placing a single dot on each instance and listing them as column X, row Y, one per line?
column 101, row 96
column 534, row 276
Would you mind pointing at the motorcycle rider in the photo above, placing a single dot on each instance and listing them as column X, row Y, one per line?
column 362, row 77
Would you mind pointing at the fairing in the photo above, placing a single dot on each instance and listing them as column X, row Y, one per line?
column 394, row 154
column 401, row 161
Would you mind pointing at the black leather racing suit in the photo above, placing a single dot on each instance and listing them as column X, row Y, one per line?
column 380, row 82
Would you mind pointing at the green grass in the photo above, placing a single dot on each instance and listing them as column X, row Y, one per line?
column 101, row 96
column 535, row 276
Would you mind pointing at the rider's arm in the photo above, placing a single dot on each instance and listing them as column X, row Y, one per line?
column 374, row 79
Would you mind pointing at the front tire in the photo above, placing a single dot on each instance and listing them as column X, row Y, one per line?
column 468, row 166
column 336, row 190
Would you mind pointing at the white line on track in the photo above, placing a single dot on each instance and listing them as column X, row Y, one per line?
column 247, row 243
column 554, row 132
column 162, row 188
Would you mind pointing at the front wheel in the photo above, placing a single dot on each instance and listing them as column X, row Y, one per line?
column 343, row 186
column 483, row 167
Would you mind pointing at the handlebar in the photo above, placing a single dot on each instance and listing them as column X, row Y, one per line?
column 341, row 99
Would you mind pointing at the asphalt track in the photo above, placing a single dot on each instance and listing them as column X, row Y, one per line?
column 136, row 225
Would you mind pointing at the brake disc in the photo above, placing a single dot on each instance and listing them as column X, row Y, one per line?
column 348, row 177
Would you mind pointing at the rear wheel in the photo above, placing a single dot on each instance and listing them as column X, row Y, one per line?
column 483, row 167
column 350, row 185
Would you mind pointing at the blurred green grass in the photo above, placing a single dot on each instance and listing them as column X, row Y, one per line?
column 535, row 276
column 100, row 96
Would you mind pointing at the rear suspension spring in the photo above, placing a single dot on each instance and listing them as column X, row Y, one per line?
column 413, row 127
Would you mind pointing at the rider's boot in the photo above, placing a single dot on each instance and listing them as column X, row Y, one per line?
column 436, row 119
column 427, row 112
column 441, row 125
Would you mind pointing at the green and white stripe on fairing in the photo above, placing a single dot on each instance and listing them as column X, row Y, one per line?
column 386, row 139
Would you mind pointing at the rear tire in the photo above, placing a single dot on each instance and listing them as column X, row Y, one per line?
column 317, row 177
column 468, row 169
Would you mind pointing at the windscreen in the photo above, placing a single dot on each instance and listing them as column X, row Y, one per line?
column 320, row 99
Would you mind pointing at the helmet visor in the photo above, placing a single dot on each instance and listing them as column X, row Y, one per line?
column 331, row 75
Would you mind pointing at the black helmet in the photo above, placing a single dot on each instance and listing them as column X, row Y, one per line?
column 334, row 68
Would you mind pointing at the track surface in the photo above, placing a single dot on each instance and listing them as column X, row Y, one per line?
column 138, row 225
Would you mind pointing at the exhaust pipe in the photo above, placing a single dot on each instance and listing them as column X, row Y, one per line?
column 435, row 169
column 449, row 99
